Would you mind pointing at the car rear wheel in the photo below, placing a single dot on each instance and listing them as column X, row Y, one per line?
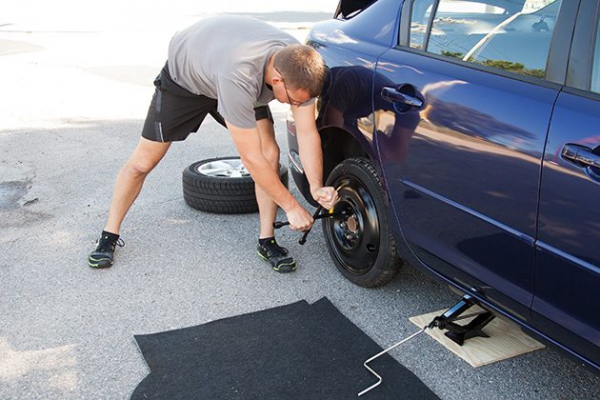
column 358, row 237
column 222, row 185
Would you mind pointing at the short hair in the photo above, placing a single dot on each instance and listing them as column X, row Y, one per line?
column 302, row 68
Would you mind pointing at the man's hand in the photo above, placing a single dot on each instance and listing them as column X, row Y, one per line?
column 299, row 218
column 326, row 196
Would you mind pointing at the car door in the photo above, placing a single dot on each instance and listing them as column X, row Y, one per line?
column 465, row 186
column 567, row 282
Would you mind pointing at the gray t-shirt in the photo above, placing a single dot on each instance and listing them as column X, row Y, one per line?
column 225, row 58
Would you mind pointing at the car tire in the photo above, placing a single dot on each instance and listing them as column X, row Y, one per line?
column 222, row 185
column 359, row 238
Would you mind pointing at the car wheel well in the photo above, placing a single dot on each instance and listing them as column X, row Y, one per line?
column 338, row 145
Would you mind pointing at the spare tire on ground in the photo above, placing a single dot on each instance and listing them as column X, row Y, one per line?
column 222, row 185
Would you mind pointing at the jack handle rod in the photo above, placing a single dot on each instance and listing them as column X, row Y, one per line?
column 379, row 378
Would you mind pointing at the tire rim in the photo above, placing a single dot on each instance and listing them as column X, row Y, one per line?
column 224, row 169
column 354, row 235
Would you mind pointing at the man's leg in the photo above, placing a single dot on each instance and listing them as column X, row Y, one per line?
column 267, row 207
column 127, row 188
column 268, row 249
column 173, row 114
column 131, row 178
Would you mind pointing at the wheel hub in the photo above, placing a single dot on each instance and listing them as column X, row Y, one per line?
column 226, row 168
column 355, row 232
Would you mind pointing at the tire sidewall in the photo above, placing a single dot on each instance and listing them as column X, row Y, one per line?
column 387, row 261
column 221, row 195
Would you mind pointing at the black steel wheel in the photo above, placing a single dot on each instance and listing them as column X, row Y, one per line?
column 358, row 237
column 222, row 185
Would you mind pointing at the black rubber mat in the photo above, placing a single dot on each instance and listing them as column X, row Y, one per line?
column 297, row 351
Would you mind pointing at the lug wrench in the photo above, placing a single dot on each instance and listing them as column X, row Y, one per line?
column 316, row 215
column 306, row 232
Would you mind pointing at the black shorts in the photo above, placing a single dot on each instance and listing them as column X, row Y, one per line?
column 175, row 112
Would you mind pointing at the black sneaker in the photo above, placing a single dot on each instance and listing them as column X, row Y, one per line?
column 104, row 254
column 277, row 256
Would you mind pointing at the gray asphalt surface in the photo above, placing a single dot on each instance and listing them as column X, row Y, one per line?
column 76, row 86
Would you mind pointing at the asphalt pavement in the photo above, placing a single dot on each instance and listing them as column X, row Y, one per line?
column 76, row 84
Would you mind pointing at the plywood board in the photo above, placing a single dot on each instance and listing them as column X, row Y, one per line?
column 506, row 340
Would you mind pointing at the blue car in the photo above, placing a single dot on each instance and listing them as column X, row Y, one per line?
column 464, row 138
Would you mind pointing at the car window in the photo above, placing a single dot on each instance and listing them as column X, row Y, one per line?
column 596, row 66
column 511, row 35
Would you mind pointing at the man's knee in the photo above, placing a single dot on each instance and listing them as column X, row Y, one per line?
column 145, row 157
column 138, row 167
column 272, row 154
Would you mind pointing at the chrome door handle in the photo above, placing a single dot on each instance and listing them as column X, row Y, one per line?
column 393, row 95
column 583, row 156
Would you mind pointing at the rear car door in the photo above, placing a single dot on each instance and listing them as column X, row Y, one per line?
column 567, row 283
column 465, row 181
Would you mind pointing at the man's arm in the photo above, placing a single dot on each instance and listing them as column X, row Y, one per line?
column 247, row 142
column 311, row 154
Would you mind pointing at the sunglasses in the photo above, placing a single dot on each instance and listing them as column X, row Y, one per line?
column 287, row 93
